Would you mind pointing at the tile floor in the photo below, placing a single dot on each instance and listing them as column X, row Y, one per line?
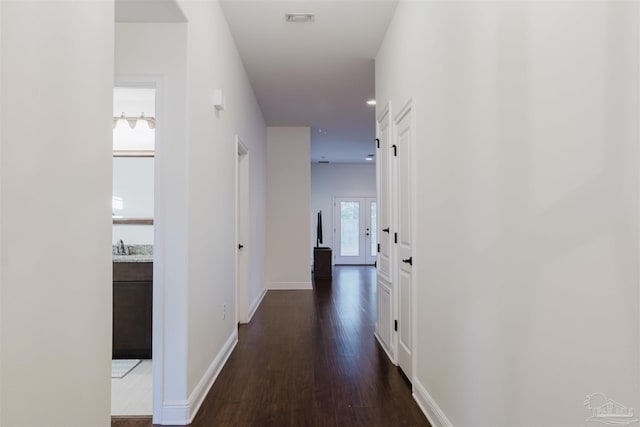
column 132, row 395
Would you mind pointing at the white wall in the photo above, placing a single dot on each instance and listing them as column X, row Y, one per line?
column 337, row 180
column 1, row 221
column 214, row 63
column 198, row 174
column 288, row 203
column 526, row 256
column 55, row 313
column 132, row 234
column 158, row 52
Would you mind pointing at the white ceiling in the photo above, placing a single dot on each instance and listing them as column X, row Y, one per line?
column 317, row 74
column 148, row 11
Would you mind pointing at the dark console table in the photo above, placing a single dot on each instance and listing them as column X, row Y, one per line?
column 322, row 263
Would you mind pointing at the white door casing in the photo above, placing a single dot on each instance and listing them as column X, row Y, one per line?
column 159, row 332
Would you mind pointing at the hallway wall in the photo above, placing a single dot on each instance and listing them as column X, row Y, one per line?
column 204, row 288
column 526, row 251
column 159, row 50
column 337, row 180
column 198, row 174
column 55, row 273
column 288, row 202
column 213, row 63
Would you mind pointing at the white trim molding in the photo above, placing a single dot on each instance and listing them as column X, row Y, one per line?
column 290, row 285
column 431, row 410
column 182, row 412
column 175, row 412
column 388, row 352
column 256, row 304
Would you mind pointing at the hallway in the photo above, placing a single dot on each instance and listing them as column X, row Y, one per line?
column 309, row 358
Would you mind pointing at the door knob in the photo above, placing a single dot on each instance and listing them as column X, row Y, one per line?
column 408, row 260
column 240, row 246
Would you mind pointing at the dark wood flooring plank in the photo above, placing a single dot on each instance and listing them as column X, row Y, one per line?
column 130, row 421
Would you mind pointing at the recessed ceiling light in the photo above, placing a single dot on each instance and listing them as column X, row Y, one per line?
column 371, row 102
column 369, row 158
column 299, row 17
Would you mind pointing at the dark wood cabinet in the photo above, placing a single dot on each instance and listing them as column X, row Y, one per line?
column 132, row 310
column 322, row 263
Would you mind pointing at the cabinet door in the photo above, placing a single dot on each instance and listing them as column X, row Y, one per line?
column 132, row 303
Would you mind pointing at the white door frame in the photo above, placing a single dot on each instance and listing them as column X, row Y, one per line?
column 242, row 231
column 159, row 227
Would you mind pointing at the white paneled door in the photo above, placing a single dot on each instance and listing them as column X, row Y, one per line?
column 384, row 283
column 355, row 241
column 404, row 258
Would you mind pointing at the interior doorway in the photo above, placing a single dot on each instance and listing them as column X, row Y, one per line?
column 133, row 230
column 355, row 238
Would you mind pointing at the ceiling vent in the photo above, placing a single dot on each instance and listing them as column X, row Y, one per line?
column 299, row 17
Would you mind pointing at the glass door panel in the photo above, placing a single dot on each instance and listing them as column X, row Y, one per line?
column 350, row 229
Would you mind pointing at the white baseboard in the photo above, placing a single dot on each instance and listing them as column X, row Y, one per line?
column 182, row 412
column 386, row 350
column 256, row 304
column 431, row 410
column 290, row 285
column 175, row 412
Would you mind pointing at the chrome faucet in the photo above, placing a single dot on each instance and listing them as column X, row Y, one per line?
column 122, row 250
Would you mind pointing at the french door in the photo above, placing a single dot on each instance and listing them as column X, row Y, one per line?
column 355, row 240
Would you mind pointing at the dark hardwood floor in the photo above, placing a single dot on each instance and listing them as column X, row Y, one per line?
column 309, row 358
column 130, row 421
